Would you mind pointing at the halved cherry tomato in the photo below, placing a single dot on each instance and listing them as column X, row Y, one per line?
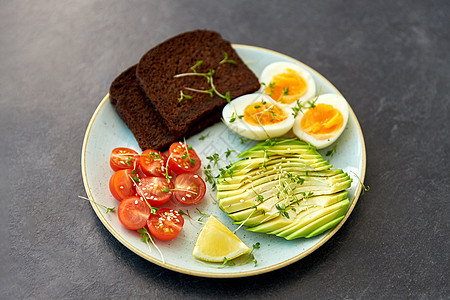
column 133, row 213
column 166, row 224
column 189, row 188
column 123, row 158
column 156, row 190
column 153, row 163
column 183, row 159
column 121, row 185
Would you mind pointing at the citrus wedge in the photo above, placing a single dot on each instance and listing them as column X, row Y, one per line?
column 216, row 241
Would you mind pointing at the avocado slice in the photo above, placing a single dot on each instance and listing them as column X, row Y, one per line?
column 270, row 209
column 325, row 227
column 310, row 222
column 303, row 207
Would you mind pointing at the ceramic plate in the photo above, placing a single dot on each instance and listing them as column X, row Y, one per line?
column 107, row 131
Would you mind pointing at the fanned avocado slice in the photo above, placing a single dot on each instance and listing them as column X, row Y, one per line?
column 325, row 227
column 311, row 222
column 303, row 207
column 283, row 187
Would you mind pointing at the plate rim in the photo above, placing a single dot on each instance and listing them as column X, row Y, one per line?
column 237, row 274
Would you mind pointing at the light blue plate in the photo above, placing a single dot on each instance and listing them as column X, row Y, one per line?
column 107, row 131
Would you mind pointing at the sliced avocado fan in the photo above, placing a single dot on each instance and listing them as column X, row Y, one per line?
column 284, row 187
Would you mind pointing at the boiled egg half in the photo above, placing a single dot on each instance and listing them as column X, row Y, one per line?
column 322, row 121
column 287, row 82
column 258, row 117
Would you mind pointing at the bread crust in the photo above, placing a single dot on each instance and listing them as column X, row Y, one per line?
column 138, row 113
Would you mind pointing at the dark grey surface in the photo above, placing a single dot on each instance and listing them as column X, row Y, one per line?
column 388, row 58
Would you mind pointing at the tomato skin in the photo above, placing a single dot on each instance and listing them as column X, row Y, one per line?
column 166, row 224
column 152, row 189
column 121, row 185
column 179, row 154
column 119, row 160
column 151, row 165
column 133, row 213
column 189, row 188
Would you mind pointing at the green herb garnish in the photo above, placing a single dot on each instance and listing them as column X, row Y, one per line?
column 204, row 136
column 226, row 60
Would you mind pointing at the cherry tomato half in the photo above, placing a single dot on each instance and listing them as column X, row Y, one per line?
column 133, row 213
column 123, row 158
column 156, row 190
column 166, row 224
column 183, row 159
column 121, row 185
column 189, row 188
column 153, row 163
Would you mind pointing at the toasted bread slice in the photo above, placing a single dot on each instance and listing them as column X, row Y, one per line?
column 157, row 68
column 138, row 113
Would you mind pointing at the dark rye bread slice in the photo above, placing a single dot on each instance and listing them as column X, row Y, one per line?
column 138, row 113
column 157, row 68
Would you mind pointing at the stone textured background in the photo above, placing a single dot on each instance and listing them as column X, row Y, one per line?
column 388, row 58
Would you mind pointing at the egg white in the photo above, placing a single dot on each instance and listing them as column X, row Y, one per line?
column 339, row 103
column 280, row 67
column 262, row 132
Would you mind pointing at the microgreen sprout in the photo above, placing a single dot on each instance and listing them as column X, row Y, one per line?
column 204, row 136
column 153, row 210
column 228, row 152
column 262, row 211
column 166, row 173
column 186, row 154
column 209, row 92
column 227, row 262
column 187, row 214
column 197, row 64
column 260, row 197
column 182, row 213
column 129, row 160
column 284, row 93
column 166, row 190
column 209, row 79
column 271, row 86
column 331, row 152
column 145, row 237
column 209, row 177
column 299, row 107
column 283, row 209
column 202, row 215
column 250, row 258
column 108, row 209
column 183, row 95
column 214, row 159
column 226, row 60
column 364, row 188
column 266, row 156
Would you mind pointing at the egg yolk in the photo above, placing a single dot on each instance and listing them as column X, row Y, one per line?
column 287, row 87
column 322, row 121
column 264, row 113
